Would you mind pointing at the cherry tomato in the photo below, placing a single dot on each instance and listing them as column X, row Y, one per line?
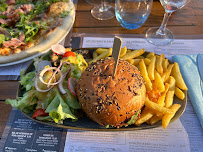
column 39, row 112
column 69, row 53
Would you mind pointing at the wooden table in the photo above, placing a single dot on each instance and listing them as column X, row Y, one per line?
column 188, row 21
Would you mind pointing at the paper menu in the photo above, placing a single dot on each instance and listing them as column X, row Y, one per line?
column 173, row 140
column 179, row 46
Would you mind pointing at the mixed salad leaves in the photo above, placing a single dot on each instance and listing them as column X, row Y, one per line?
column 50, row 88
column 28, row 24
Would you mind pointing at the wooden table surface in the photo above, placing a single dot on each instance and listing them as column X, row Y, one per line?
column 187, row 21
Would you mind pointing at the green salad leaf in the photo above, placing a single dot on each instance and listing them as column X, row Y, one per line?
column 2, row 38
column 30, row 28
column 27, row 80
column 46, row 118
column 64, row 14
column 59, row 110
column 71, row 100
column 22, row 1
column 133, row 118
column 40, row 7
column 3, row 6
column 22, row 102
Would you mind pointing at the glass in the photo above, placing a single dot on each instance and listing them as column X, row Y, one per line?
column 103, row 11
column 131, row 14
column 93, row 2
column 161, row 36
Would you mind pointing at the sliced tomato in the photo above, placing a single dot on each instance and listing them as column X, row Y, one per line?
column 69, row 53
column 39, row 112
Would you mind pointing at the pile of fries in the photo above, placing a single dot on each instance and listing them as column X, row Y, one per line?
column 163, row 81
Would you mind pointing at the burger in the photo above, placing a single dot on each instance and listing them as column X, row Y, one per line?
column 111, row 100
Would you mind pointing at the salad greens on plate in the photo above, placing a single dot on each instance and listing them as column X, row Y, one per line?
column 50, row 88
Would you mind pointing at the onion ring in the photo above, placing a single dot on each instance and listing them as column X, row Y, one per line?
column 41, row 74
column 37, row 87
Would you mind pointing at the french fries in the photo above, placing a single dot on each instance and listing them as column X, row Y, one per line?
column 128, row 50
column 161, row 100
column 134, row 62
column 154, row 119
column 94, row 54
column 170, row 93
column 167, row 73
column 155, row 107
column 178, row 76
column 162, row 79
column 179, row 93
column 143, row 71
column 151, row 54
column 133, row 54
column 101, row 50
column 151, row 67
column 158, row 82
column 147, row 61
column 131, row 61
column 159, row 62
column 167, row 117
column 146, row 115
column 140, row 57
column 165, row 64
column 102, row 55
column 123, row 51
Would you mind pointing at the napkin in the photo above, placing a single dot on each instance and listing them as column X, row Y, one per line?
column 12, row 72
column 190, row 73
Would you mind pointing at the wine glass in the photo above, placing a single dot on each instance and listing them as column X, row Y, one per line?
column 103, row 11
column 132, row 14
column 161, row 36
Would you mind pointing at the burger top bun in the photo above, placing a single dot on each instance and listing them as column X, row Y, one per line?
column 111, row 100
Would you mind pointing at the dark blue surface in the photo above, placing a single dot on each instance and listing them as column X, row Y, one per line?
column 28, row 135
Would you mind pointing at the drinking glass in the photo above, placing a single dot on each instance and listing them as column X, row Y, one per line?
column 131, row 14
column 103, row 11
column 93, row 2
column 161, row 36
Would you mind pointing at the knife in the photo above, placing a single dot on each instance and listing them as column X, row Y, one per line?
column 200, row 65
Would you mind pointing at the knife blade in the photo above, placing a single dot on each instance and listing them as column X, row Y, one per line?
column 200, row 65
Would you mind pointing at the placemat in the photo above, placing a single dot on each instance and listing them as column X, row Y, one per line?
column 183, row 135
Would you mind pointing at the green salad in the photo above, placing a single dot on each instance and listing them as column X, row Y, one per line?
column 50, row 88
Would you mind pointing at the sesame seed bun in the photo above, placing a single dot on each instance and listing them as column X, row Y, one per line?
column 111, row 100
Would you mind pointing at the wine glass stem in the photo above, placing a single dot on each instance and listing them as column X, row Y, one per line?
column 103, row 4
column 162, row 28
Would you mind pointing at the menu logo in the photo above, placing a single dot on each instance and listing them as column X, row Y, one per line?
column 10, row 148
